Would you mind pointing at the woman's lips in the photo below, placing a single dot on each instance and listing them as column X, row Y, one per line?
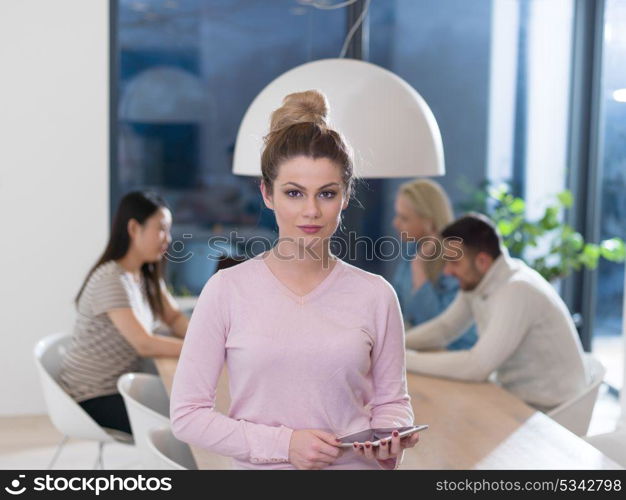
column 310, row 229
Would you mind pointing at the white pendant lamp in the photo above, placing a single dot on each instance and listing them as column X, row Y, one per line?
column 388, row 124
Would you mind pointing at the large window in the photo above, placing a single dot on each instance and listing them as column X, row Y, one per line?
column 496, row 74
column 609, row 297
column 186, row 72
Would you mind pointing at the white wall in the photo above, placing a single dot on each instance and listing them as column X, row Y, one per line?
column 54, row 176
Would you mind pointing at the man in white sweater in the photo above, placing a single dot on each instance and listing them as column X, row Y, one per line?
column 525, row 332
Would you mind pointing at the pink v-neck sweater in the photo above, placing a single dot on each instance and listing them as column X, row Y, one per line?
column 331, row 360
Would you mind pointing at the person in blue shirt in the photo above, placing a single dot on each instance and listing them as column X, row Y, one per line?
column 422, row 210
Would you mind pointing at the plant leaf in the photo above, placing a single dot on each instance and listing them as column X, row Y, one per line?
column 566, row 198
column 517, row 206
column 613, row 249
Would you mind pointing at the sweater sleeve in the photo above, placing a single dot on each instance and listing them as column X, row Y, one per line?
column 391, row 403
column 443, row 329
column 194, row 419
column 430, row 300
column 109, row 291
column 510, row 320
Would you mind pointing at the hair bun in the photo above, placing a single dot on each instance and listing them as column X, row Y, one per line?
column 309, row 106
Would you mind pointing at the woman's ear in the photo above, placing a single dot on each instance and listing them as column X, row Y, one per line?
column 346, row 202
column 132, row 227
column 267, row 198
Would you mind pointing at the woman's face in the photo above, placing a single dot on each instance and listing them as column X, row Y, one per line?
column 152, row 238
column 307, row 198
column 408, row 223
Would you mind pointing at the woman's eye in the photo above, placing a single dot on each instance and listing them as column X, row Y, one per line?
column 328, row 194
column 293, row 193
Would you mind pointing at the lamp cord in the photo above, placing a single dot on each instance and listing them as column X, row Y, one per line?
column 324, row 6
column 355, row 26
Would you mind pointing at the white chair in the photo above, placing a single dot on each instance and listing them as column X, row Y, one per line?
column 612, row 444
column 575, row 414
column 148, row 408
column 66, row 414
column 170, row 453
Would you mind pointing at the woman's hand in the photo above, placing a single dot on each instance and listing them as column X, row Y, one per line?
column 418, row 273
column 313, row 449
column 388, row 450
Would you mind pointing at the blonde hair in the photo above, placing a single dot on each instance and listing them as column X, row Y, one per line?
column 429, row 201
column 300, row 128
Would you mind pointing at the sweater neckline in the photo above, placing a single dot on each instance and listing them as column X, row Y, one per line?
column 302, row 299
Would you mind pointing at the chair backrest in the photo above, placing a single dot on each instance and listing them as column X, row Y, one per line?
column 148, row 405
column 575, row 414
column 66, row 414
column 612, row 444
column 170, row 453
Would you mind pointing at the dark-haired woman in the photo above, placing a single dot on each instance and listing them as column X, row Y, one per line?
column 118, row 305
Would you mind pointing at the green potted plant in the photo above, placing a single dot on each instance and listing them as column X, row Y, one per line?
column 549, row 245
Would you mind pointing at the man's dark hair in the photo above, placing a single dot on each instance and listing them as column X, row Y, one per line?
column 477, row 233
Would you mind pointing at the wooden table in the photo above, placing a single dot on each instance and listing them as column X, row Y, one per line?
column 472, row 426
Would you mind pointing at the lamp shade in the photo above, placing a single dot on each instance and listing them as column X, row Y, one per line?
column 388, row 124
column 164, row 95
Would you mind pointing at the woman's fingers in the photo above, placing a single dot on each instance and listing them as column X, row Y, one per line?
column 331, row 451
column 326, row 437
column 410, row 441
column 395, row 447
column 323, row 460
column 387, row 449
column 326, row 448
column 383, row 450
column 369, row 450
column 326, row 459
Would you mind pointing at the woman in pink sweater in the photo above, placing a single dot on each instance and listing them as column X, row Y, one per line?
column 314, row 346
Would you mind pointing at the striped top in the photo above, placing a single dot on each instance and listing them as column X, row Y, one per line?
column 99, row 354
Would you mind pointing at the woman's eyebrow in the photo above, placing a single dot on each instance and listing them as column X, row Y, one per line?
column 304, row 189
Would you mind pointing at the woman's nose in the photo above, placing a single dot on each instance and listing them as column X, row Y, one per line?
column 312, row 208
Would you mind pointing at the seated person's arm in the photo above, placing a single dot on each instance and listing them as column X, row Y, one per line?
column 172, row 315
column 507, row 326
column 443, row 329
column 145, row 343
column 431, row 300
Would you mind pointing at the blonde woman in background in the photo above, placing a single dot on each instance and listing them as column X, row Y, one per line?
column 422, row 210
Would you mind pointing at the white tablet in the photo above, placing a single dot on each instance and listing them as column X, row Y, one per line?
column 375, row 435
